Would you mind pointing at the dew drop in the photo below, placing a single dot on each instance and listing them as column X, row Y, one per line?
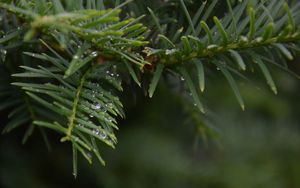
column 75, row 57
column 103, row 135
column 96, row 131
column 3, row 54
column 96, row 106
column 181, row 78
column 94, row 54
column 89, row 155
column 169, row 52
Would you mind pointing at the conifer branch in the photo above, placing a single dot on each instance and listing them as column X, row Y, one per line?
column 77, row 50
column 71, row 123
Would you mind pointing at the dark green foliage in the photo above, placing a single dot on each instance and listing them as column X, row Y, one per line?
column 63, row 62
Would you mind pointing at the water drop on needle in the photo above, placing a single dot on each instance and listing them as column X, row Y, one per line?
column 94, row 54
column 103, row 135
column 3, row 54
column 96, row 131
column 96, row 107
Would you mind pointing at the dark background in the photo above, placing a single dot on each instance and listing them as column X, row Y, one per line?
column 158, row 147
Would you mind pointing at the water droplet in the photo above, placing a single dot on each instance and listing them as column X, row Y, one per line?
column 169, row 52
column 3, row 54
column 96, row 107
column 195, row 104
column 75, row 57
column 102, row 135
column 91, row 115
column 94, row 54
column 181, row 78
column 89, row 155
column 96, row 131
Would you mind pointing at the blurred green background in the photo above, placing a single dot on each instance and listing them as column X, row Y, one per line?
column 158, row 147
